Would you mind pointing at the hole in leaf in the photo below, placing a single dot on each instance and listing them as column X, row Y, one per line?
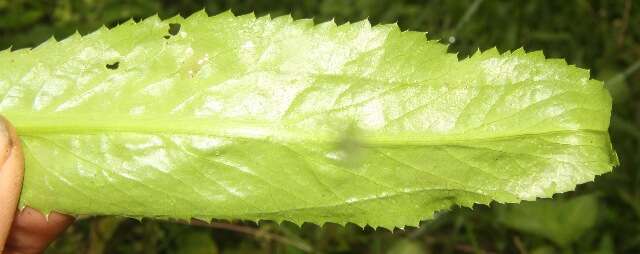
column 113, row 66
column 166, row 36
column 174, row 28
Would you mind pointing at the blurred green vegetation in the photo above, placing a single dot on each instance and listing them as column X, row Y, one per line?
column 600, row 217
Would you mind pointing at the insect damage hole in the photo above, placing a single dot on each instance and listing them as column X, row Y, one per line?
column 113, row 66
column 174, row 29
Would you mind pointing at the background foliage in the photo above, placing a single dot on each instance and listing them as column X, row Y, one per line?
column 600, row 217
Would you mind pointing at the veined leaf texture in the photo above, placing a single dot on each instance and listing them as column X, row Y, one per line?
column 279, row 119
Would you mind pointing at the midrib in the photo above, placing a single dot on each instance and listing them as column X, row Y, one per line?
column 254, row 130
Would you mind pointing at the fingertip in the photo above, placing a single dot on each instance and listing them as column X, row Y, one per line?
column 11, row 175
column 11, row 157
column 5, row 141
column 33, row 231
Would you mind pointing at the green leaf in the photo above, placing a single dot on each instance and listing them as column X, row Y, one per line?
column 406, row 246
column 275, row 119
column 561, row 221
column 195, row 242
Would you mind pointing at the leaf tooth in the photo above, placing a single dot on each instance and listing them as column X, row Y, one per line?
column 125, row 25
column 420, row 37
column 174, row 19
column 206, row 219
column 246, row 18
column 21, row 51
column 153, row 18
column 395, row 23
column 519, row 52
column 339, row 223
column 359, row 27
column 538, row 55
column 472, row 55
column 480, row 55
column 557, row 61
column 390, row 228
column 51, row 42
column 203, row 12
column 492, row 51
column 186, row 218
column 392, row 27
column 44, row 211
column 73, row 37
column 344, row 25
column 278, row 221
column 363, row 24
column 415, row 224
column 298, row 226
column 346, row 28
column 326, row 26
column 202, row 15
column 287, row 18
column 586, row 73
column 223, row 17
column 21, row 206
column 98, row 31
column 268, row 17
column 250, row 15
column 138, row 218
column 129, row 22
column 226, row 14
column 6, row 51
column 304, row 23
column 264, row 18
column 477, row 53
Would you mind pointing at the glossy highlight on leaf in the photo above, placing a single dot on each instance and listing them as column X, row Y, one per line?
column 238, row 117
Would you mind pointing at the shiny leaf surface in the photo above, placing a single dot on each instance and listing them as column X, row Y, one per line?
column 257, row 118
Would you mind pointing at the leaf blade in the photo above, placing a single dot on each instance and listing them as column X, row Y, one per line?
column 259, row 118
